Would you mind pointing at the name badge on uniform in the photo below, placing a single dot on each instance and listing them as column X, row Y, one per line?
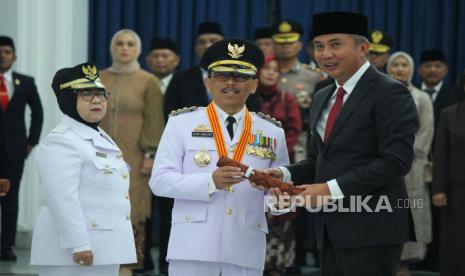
column 101, row 154
column 202, row 131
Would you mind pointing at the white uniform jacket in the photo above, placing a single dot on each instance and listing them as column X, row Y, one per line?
column 225, row 226
column 86, row 182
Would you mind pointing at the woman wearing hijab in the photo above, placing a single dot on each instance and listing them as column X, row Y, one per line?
column 282, row 106
column 85, row 227
column 401, row 67
column 135, row 121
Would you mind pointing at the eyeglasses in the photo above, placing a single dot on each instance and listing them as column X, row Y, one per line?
column 88, row 95
column 224, row 76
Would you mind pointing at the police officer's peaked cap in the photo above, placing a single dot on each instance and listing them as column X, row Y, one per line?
column 380, row 42
column 287, row 31
column 233, row 55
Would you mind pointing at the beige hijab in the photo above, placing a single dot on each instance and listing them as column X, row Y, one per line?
column 409, row 60
column 124, row 68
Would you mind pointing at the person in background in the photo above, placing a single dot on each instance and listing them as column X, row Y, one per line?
column 432, row 70
column 16, row 92
column 84, row 229
column 264, row 41
column 135, row 121
column 163, row 59
column 449, row 184
column 378, row 54
column 401, row 66
column 282, row 106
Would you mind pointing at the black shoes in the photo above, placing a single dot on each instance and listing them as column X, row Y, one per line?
column 7, row 254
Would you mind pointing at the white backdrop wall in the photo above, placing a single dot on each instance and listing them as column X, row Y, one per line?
column 48, row 35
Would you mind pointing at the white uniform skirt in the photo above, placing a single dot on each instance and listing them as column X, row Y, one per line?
column 78, row 270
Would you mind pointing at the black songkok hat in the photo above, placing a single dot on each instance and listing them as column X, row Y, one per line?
column 287, row 31
column 380, row 42
column 210, row 27
column 233, row 55
column 163, row 43
column 432, row 55
column 7, row 41
column 340, row 23
column 264, row 32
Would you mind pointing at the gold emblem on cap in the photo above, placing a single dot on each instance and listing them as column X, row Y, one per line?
column 202, row 158
column 285, row 27
column 235, row 51
column 376, row 36
column 90, row 72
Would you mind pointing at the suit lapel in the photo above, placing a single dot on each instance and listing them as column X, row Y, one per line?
column 17, row 90
column 317, row 110
column 361, row 89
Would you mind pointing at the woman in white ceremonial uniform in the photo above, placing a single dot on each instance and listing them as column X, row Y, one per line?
column 85, row 227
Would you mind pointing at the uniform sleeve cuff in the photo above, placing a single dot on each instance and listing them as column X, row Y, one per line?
column 286, row 174
column 211, row 185
column 334, row 189
column 85, row 247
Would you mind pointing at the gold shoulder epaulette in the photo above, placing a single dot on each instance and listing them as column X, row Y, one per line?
column 270, row 119
column 183, row 110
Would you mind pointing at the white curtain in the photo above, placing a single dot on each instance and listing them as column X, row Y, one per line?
column 48, row 35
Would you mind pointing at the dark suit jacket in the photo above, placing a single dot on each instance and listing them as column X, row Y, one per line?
column 369, row 152
column 447, row 96
column 186, row 89
column 12, row 124
column 449, row 178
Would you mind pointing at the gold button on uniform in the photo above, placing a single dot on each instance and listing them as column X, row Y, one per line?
column 230, row 190
column 188, row 218
column 229, row 211
column 94, row 224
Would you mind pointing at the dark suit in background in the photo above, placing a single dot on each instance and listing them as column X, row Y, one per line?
column 449, row 178
column 369, row 152
column 13, row 147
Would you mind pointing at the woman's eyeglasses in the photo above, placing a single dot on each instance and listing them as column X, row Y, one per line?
column 88, row 95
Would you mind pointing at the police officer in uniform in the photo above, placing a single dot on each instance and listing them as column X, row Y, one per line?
column 218, row 223
column 85, row 227
column 378, row 53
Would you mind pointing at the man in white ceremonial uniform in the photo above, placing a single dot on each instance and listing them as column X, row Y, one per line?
column 218, row 220
column 84, row 227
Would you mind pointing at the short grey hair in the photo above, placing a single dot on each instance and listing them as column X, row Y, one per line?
column 359, row 39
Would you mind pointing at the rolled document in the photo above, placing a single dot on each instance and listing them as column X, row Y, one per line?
column 260, row 178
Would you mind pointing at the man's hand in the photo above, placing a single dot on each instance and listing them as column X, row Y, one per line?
column 280, row 200
column 4, row 186
column 147, row 165
column 315, row 194
column 226, row 176
column 440, row 200
column 84, row 258
column 29, row 149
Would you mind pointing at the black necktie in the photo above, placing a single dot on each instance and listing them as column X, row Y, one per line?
column 231, row 122
column 430, row 92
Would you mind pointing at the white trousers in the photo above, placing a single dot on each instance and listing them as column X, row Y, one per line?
column 78, row 270
column 199, row 268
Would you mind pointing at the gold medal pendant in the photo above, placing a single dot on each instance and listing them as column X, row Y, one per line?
column 202, row 158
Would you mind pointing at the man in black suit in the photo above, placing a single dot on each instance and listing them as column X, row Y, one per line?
column 432, row 70
column 186, row 88
column 16, row 91
column 363, row 128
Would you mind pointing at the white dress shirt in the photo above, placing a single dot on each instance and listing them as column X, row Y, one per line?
column 436, row 89
column 349, row 86
column 164, row 82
